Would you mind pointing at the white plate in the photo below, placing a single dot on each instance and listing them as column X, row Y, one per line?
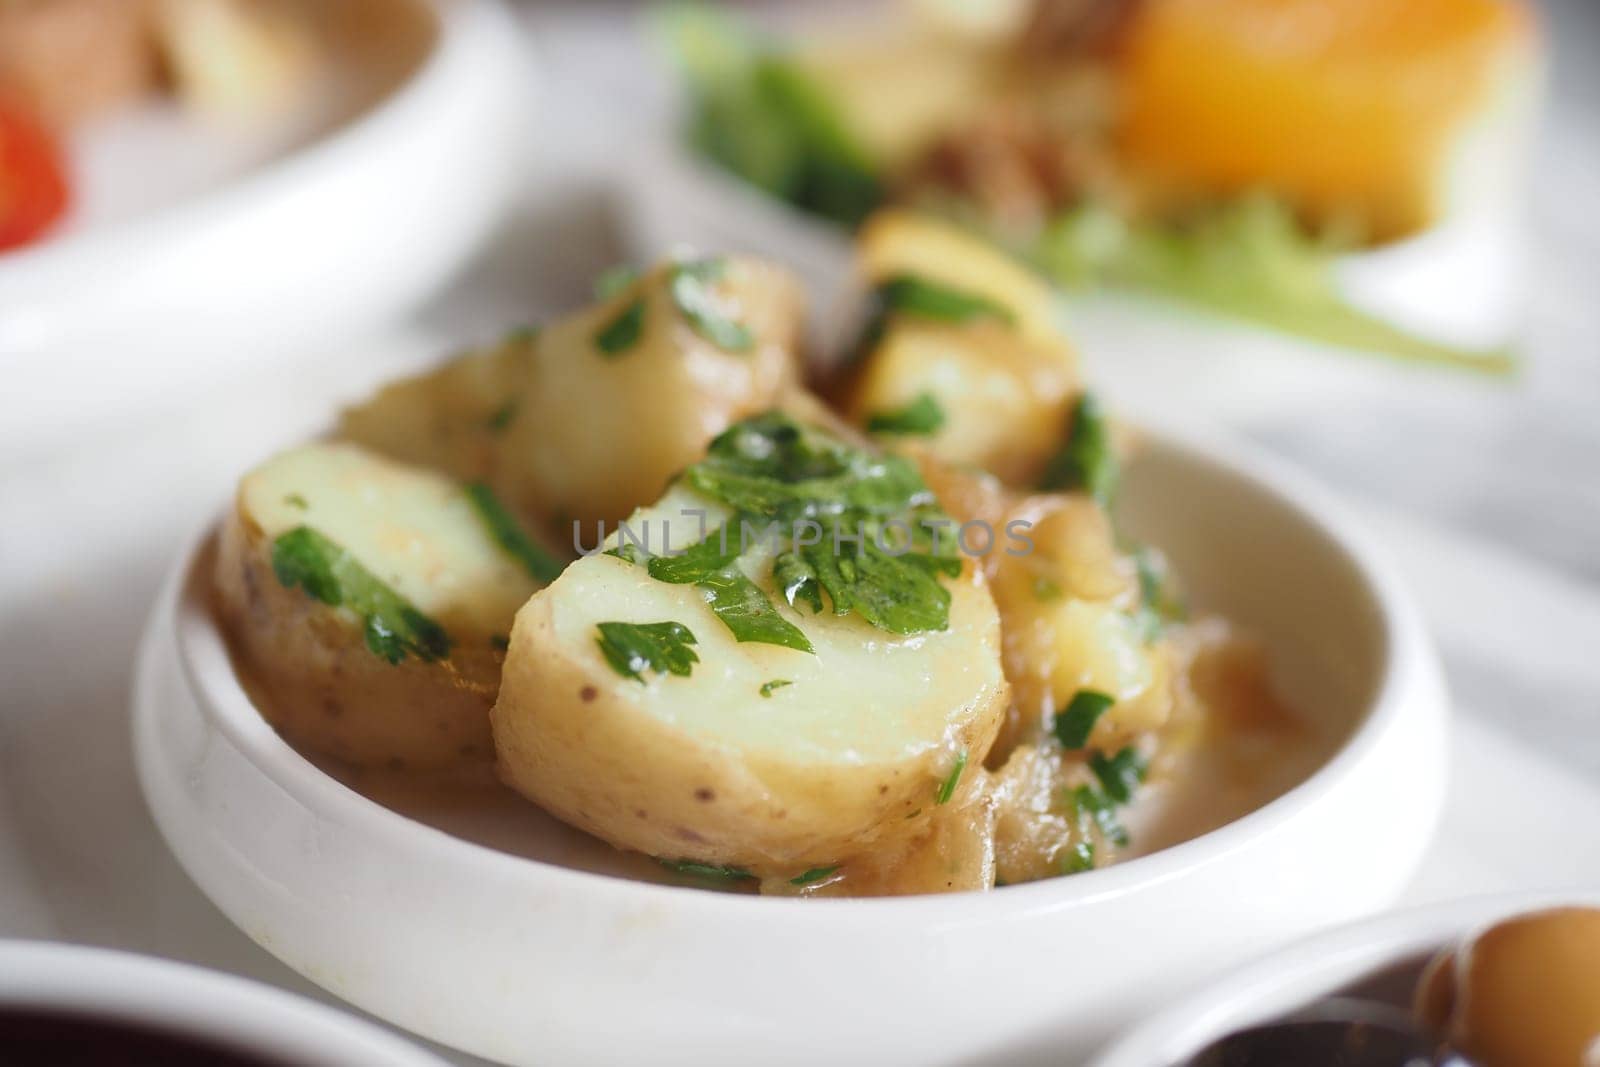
column 1309, row 970
column 507, row 951
column 216, row 1009
column 195, row 252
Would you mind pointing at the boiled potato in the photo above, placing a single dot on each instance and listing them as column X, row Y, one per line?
column 587, row 420
column 1002, row 399
column 965, row 361
column 1068, row 606
column 367, row 604
column 452, row 419
column 768, row 759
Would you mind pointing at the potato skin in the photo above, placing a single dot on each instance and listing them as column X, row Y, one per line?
column 569, row 740
column 313, row 678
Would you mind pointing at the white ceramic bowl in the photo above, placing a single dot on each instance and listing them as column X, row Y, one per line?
column 1461, row 283
column 360, row 224
column 175, row 998
column 522, row 959
column 1309, row 970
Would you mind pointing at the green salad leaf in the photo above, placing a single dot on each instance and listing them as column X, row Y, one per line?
column 392, row 626
column 757, row 114
column 1250, row 259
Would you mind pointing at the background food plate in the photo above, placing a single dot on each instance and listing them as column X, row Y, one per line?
column 195, row 249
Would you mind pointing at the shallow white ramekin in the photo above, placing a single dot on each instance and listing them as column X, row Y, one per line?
column 526, row 961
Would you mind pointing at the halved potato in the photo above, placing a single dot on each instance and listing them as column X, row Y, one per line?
column 367, row 604
column 756, row 756
column 1002, row 399
column 588, row 418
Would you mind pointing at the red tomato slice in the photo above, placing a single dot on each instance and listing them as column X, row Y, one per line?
column 33, row 180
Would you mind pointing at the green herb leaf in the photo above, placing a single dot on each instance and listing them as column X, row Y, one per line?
column 1087, row 462
column 707, row 871
column 909, row 294
column 501, row 417
column 1119, row 775
column 690, row 285
column 947, row 788
column 539, row 564
column 614, row 280
column 1250, row 259
column 1089, row 807
column 633, row 648
column 767, row 688
column 392, row 627
column 622, row 332
column 736, row 600
column 1159, row 604
column 770, row 467
column 295, row 500
column 1074, row 725
column 815, row 874
column 1079, row 858
column 923, row 416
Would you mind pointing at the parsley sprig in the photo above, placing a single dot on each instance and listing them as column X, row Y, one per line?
column 392, row 626
column 633, row 648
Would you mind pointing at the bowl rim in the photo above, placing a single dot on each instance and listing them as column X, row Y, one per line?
column 453, row 23
column 1403, row 650
column 1321, row 961
column 164, row 994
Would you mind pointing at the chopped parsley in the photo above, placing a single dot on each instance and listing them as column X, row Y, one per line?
column 921, row 417
column 1047, row 589
column 947, row 788
column 501, row 417
column 540, row 565
column 689, row 285
column 815, row 874
column 614, row 280
column 622, row 332
column 1074, row 725
column 767, row 688
column 392, row 626
column 1079, row 858
column 1087, row 462
column 913, row 295
column 295, row 500
column 709, row 872
column 736, row 600
column 1159, row 603
column 1119, row 775
column 633, row 648
column 1092, row 809
column 770, row 468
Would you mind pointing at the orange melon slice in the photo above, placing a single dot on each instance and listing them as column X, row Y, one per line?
column 1350, row 109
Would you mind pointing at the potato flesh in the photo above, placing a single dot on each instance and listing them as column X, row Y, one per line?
column 1004, row 398
column 413, row 529
column 308, row 664
column 852, row 752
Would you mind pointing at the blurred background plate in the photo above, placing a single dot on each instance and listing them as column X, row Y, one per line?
column 196, row 247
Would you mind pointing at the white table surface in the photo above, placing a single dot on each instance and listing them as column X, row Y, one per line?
column 1492, row 510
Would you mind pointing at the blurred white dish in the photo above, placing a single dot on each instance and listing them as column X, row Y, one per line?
column 182, row 1001
column 194, row 251
column 1308, row 970
column 1461, row 283
column 507, row 951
